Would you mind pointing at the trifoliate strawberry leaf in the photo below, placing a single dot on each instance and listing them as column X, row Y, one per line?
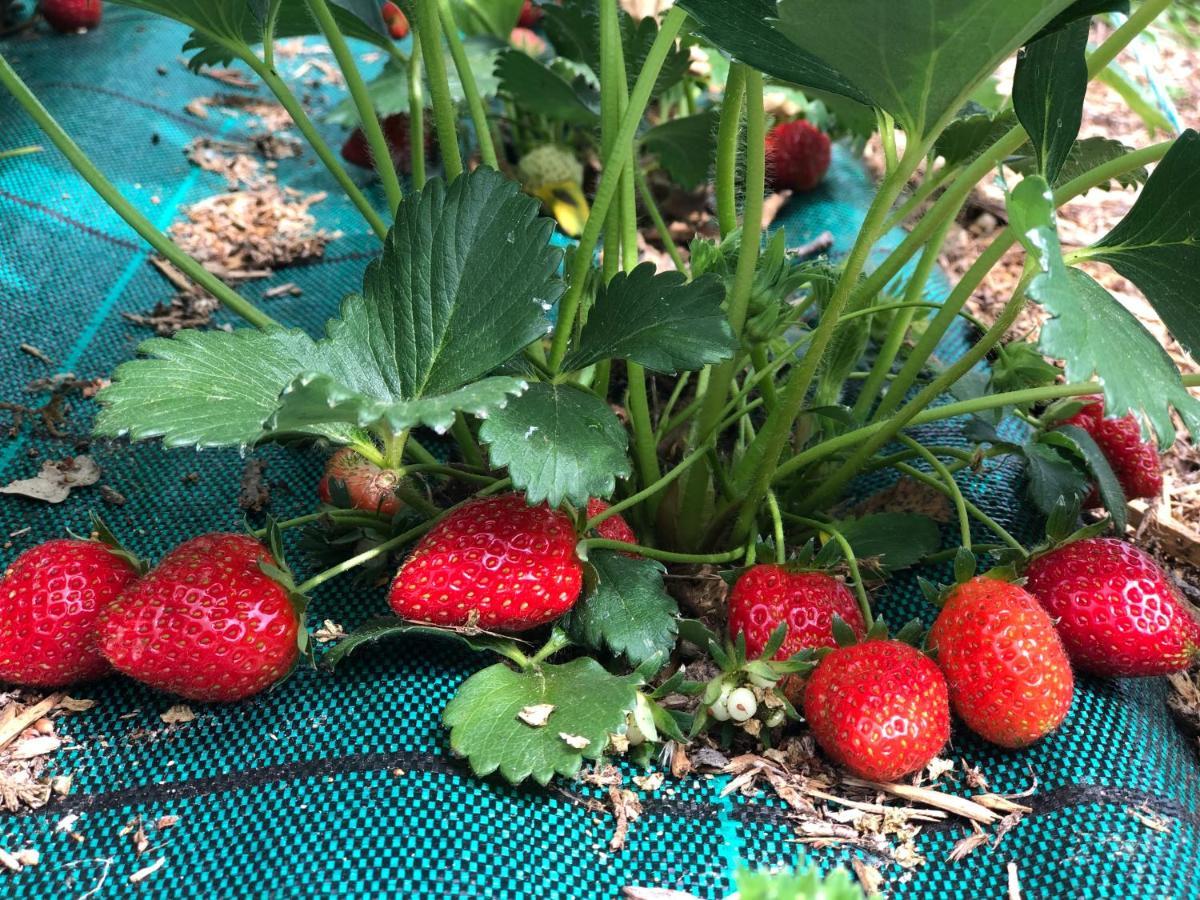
column 1048, row 88
column 969, row 135
column 662, row 321
column 388, row 627
column 207, row 388
column 918, row 61
column 893, row 541
column 559, row 443
column 312, row 400
column 222, row 27
column 486, row 726
column 629, row 612
column 1092, row 332
column 1157, row 244
column 686, row 147
column 532, row 84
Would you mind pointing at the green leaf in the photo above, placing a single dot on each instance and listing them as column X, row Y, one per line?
column 744, row 30
column 1157, row 244
column 1075, row 438
column 496, row 18
column 1092, row 332
column 1083, row 9
column 1098, row 337
column 968, row 136
column 1085, row 154
column 559, row 443
column 1051, row 477
column 205, row 388
column 389, row 89
column 686, row 147
column 629, row 613
column 662, row 321
column 387, row 627
column 588, row 702
column 920, row 60
column 313, row 399
column 1048, row 90
column 802, row 884
column 532, row 84
column 219, row 27
column 896, row 540
column 1019, row 366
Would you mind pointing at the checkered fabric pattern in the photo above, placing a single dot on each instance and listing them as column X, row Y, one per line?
column 343, row 784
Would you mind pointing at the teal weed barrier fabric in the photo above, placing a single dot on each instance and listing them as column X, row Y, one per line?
column 343, row 784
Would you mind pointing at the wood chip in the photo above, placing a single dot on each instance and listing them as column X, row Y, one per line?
column 1147, row 817
column 178, row 714
column 577, row 741
column 329, row 632
column 968, row 845
column 626, row 808
column 868, row 876
column 36, row 352
column 56, row 480
column 959, row 806
column 537, row 715
column 142, row 874
column 22, row 720
column 38, row 746
column 649, row 783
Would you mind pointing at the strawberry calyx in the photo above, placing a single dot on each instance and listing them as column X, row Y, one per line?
column 281, row 573
column 102, row 534
column 1063, row 528
column 966, row 568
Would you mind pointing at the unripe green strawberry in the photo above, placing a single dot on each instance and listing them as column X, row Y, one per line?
column 549, row 164
column 1009, row 676
column 207, row 623
column 50, row 598
column 879, row 708
column 495, row 562
column 1116, row 610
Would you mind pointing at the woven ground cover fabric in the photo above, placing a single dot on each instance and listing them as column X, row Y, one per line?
column 344, row 784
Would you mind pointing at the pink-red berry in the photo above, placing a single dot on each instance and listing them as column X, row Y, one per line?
column 798, row 155
column 767, row 595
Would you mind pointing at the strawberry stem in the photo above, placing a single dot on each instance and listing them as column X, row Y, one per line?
column 466, row 78
column 951, row 488
column 661, row 555
column 429, row 32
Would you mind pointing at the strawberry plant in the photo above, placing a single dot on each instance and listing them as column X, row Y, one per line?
column 610, row 422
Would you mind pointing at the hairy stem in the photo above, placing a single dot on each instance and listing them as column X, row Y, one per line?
column 661, row 555
column 727, row 149
column 483, row 131
column 429, row 31
column 953, row 491
column 416, row 117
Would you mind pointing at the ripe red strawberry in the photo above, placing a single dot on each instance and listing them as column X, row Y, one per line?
column 879, row 708
column 530, row 16
column 71, row 15
column 1116, row 611
column 49, row 600
column 356, row 150
column 798, row 156
column 1009, row 677
column 495, row 561
column 614, row 528
column 766, row 595
column 1134, row 461
column 396, row 21
column 350, row 475
column 206, row 623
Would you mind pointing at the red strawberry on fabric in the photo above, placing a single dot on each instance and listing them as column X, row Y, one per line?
column 349, row 476
column 50, row 598
column 798, row 155
column 396, row 130
column 766, row 595
column 496, row 562
column 1009, row 677
column 614, row 528
column 530, row 16
column 1134, row 461
column 1117, row 612
column 396, row 21
column 69, row 16
column 880, row 708
column 206, row 623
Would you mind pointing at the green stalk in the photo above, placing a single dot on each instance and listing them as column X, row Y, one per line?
column 727, row 149
column 696, row 489
column 304, row 124
column 373, row 131
column 483, row 131
column 662, row 555
column 972, row 510
column 232, row 300
column 466, row 442
column 831, row 486
column 651, row 490
column 416, row 116
column 860, row 591
column 660, row 224
column 888, row 351
column 366, row 556
column 20, row 151
column 953, row 491
column 613, row 87
column 931, row 183
column 429, row 31
column 610, row 180
column 774, row 434
column 777, row 528
column 337, row 515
